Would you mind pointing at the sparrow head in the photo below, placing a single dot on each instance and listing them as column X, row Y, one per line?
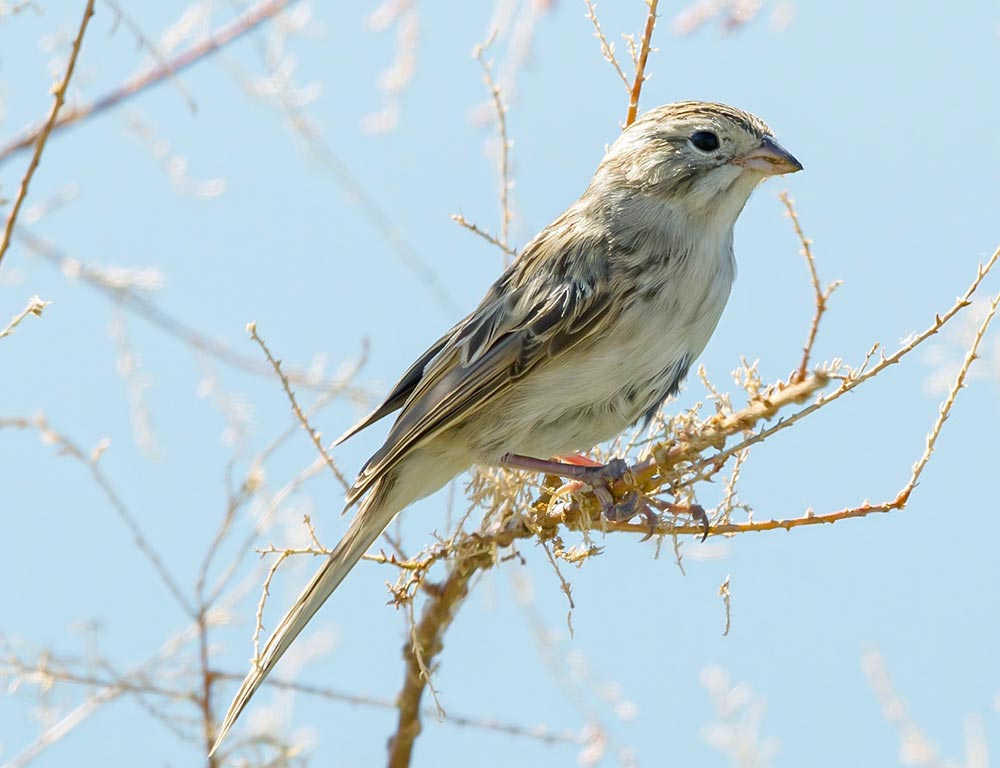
column 700, row 157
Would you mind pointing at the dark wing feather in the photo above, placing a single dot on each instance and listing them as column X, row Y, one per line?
column 507, row 336
column 403, row 388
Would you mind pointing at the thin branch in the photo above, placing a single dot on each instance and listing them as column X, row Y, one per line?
column 138, row 304
column 501, row 111
column 668, row 455
column 46, row 129
column 820, row 295
column 313, row 434
column 492, row 239
column 34, row 307
column 640, row 67
column 139, row 83
column 354, row 190
column 153, row 50
column 607, row 47
column 69, row 448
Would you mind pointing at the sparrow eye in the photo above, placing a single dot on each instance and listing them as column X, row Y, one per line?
column 706, row 141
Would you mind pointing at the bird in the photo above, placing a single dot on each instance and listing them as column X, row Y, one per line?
column 588, row 331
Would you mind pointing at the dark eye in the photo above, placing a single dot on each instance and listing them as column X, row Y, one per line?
column 706, row 141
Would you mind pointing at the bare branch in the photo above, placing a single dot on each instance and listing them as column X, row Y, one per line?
column 640, row 67
column 34, row 307
column 90, row 460
column 130, row 299
column 45, row 130
column 501, row 112
column 313, row 434
column 821, row 296
column 607, row 47
column 492, row 239
column 135, row 85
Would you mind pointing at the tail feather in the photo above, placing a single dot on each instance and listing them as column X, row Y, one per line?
column 371, row 519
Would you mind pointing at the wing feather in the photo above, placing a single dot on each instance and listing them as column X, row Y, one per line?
column 496, row 345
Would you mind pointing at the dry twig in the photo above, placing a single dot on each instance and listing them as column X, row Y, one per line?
column 504, row 169
column 46, row 129
column 640, row 65
column 474, row 229
column 34, row 307
column 821, row 295
column 313, row 434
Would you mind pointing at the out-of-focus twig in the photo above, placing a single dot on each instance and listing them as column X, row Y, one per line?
column 138, row 304
column 34, row 307
column 139, row 83
column 68, row 447
column 150, row 47
column 504, row 165
column 45, row 130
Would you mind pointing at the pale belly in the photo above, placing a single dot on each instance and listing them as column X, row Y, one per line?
column 591, row 394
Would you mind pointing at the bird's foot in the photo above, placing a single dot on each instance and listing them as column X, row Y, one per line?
column 584, row 472
column 695, row 511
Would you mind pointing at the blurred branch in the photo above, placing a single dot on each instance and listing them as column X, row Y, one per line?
column 128, row 298
column 46, row 128
column 69, row 448
column 350, row 185
column 504, row 165
column 150, row 47
column 139, row 83
column 34, row 307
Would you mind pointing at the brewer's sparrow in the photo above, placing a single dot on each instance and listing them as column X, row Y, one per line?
column 590, row 329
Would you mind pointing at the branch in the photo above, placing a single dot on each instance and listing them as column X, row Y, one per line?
column 640, row 65
column 45, row 130
column 607, row 47
column 313, row 434
column 493, row 239
column 505, row 215
column 34, row 307
column 425, row 643
column 820, row 296
column 69, row 448
column 139, row 83
column 129, row 299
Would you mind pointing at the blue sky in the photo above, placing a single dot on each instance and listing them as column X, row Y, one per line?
column 892, row 110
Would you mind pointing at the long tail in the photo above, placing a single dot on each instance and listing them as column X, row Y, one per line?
column 371, row 519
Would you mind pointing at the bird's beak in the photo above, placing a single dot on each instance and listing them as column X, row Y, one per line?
column 769, row 158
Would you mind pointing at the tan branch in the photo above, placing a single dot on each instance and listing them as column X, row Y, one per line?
column 820, row 296
column 45, row 130
column 492, row 239
column 419, row 654
column 640, row 67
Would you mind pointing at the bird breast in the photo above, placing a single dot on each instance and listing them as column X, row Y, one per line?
column 593, row 391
